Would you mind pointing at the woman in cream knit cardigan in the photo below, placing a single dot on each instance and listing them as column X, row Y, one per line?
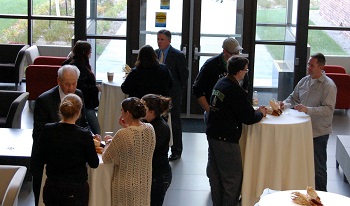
column 131, row 152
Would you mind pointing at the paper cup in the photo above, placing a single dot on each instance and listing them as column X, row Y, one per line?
column 110, row 76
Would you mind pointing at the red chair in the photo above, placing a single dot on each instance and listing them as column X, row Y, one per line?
column 40, row 78
column 334, row 69
column 49, row 60
column 42, row 75
column 342, row 81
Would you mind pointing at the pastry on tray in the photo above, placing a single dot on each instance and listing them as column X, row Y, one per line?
column 99, row 150
column 274, row 108
column 310, row 199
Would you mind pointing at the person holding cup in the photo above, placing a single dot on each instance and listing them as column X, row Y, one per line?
column 131, row 152
column 65, row 148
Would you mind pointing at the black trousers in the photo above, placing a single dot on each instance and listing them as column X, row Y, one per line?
column 65, row 193
column 159, row 187
column 36, row 189
column 176, row 95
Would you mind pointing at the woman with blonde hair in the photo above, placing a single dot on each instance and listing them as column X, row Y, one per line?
column 65, row 148
column 131, row 151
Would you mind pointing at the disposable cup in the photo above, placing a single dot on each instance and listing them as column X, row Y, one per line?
column 110, row 76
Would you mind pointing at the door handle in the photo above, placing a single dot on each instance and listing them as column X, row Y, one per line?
column 196, row 53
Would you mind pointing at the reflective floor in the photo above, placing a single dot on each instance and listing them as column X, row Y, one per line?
column 190, row 184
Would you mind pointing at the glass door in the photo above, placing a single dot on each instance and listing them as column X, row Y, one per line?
column 198, row 29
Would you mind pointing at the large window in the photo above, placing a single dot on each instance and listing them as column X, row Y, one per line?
column 49, row 21
column 106, row 31
column 53, row 7
column 329, row 24
column 275, row 48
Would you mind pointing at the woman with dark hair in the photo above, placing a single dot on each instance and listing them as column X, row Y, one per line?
column 65, row 148
column 148, row 76
column 131, row 151
column 87, row 82
column 156, row 107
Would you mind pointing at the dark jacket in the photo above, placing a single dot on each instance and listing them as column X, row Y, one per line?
column 46, row 111
column 66, row 148
column 212, row 70
column 160, row 162
column 229, row 108
column 87, row 84
column 140, row 82
column 176, row 63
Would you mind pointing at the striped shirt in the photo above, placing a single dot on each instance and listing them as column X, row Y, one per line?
column 319, row 97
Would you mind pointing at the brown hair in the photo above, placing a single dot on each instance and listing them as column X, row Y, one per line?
column 236, row 64
column 321, row 59
column 70, row 106
column 134, row 106
column 81, row 52
column 147, row 58
column 157, row 103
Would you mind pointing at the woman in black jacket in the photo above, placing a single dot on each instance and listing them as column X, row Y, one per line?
column 148, row 76
column 156, row 107
column 65, row 148
column 87, row 82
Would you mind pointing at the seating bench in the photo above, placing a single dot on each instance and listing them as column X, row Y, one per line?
column 342, row 155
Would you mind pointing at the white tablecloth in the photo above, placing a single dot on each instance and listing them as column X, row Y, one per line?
column 109, row 108
column 99, row 179
column 277, row 153
column 284, row 198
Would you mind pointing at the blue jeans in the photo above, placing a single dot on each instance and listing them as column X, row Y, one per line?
column 320, row 161
column 159, row 187
column 93, row 121
column 225, row 172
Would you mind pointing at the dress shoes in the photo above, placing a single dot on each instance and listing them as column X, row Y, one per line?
column 174, row 157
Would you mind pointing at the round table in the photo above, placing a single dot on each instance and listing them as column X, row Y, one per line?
column 110, row 104
column 277, row 153
column 284, row 198
column 100, row 180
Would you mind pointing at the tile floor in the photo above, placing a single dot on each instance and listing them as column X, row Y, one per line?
column 190, row 185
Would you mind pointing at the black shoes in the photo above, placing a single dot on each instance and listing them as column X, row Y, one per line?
column 174, row 157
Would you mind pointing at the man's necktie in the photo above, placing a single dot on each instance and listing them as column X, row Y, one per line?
column 161, row 58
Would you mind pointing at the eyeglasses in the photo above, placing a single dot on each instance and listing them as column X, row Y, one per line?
column 229, row 52
column 236, row 53
column 246, row 70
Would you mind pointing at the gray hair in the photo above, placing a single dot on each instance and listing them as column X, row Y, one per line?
column 67, row 68
column 167, row 33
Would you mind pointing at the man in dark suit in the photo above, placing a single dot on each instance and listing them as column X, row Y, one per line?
column 46, row 111
column 176, row 63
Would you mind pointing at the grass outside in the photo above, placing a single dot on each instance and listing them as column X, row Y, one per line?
column 54, row 32
column 318, row 40
column 9, row 7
